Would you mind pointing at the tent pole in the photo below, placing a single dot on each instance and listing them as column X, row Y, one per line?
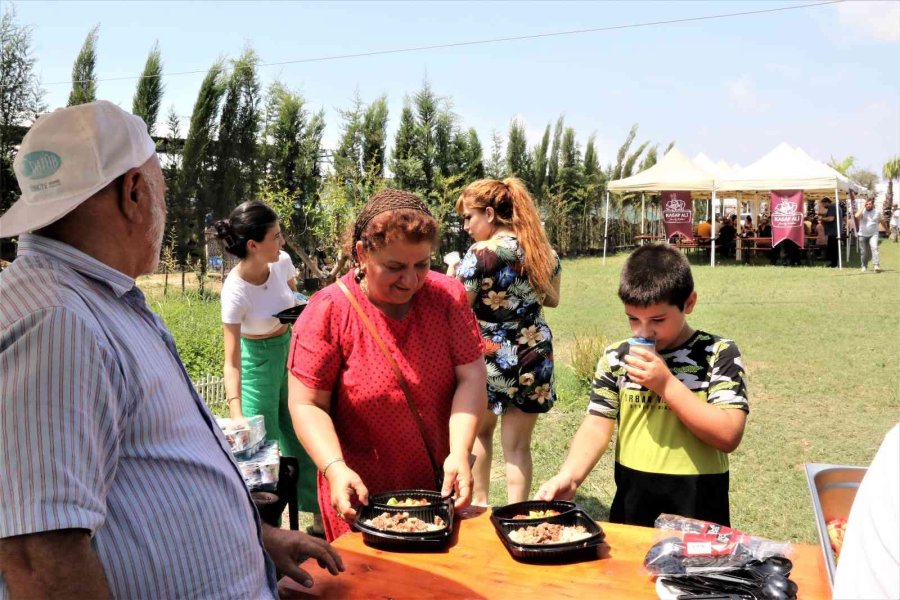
column 643, row 213
column 712, row 239
column 837, row 208
column 605, row 226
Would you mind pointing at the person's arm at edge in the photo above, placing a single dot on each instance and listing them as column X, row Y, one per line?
column 588, row 445
column 551, row 300
column 469, row 402
column 288, row 549
column 312, row 422
column 232, row 368
column 58, row 564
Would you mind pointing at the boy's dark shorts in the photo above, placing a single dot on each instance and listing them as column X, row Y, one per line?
column 641, row 497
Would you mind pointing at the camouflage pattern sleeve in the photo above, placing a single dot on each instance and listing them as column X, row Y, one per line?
column 727, row 380
column 604, row 400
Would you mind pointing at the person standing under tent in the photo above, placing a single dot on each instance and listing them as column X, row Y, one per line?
column 256, row 343
column 828, row 216
column 869, row 220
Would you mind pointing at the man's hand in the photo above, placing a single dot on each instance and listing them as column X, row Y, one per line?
column 558, row 487
column 345, row 483
column 458, row 480
column 647, row 369
column 288, row 549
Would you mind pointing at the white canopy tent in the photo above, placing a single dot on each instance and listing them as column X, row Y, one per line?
column 787, row 168
column 673, row 172
column 782, row 168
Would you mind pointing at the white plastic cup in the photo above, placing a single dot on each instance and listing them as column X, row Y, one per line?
column 640, row 342
column 451, row 258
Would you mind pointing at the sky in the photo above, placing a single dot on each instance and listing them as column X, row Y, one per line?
column 824, row 78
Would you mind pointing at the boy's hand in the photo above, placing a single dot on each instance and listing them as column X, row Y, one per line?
column 647, row 369
column 559, row 487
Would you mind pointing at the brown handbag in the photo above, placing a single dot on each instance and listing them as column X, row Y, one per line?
column 438, row 472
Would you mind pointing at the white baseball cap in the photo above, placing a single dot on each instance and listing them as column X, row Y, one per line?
column 68, row 156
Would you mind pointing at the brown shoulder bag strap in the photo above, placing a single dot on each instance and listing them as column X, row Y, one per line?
column 399, row 374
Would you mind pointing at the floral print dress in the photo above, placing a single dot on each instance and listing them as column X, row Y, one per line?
column 518, row 345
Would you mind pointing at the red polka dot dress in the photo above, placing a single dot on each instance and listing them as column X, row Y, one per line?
column 331, row 349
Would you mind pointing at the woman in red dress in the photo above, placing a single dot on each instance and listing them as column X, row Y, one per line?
column 348, row 407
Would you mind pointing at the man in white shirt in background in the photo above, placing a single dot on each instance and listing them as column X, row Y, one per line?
column 869, row 220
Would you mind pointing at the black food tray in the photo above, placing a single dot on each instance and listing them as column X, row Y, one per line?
column 509, row 512
column 381, row 500
column 416, row 542
column 566, row 552
column 290, row 315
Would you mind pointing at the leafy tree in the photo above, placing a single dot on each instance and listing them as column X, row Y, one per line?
column 21, row 97
column 539, row 162
column 628, row 167
column 443, row 144
column 149, row 93
column 553, row 159
column 864, row 177
column 621, row 155
column 374, row 138
column 405, row 162
column 842, row 166
column 649, row 158
column 195, row 193
column 170, row 158
column 472, row 159
column 891, row 171
column 496, row 165
column 517, row 163
column 237, row 165
column 84, row 80
column 348, row 161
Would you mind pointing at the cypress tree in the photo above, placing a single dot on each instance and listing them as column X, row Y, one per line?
column 197, row 158
column 517, row 151
column 84, row 80
column 149, row 93
column 374, row 138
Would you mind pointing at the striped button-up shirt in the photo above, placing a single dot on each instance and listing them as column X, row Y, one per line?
column 102, row 430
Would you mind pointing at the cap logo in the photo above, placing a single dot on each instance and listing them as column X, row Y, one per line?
column 40, row 164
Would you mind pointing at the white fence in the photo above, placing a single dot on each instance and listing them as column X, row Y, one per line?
column 212, row 389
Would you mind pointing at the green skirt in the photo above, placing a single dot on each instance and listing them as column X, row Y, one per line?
column 264, row 391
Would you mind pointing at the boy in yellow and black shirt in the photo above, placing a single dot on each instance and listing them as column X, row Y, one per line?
column 680, row 409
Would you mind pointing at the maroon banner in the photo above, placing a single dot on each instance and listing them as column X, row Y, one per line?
column 678, row 214
column 787, row 216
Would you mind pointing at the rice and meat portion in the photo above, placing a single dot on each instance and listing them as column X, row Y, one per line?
column 549, row 533
column 403, row 523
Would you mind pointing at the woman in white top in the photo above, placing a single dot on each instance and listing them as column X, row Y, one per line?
column 256, row 343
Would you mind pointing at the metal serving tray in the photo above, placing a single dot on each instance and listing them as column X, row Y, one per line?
column 832, row 489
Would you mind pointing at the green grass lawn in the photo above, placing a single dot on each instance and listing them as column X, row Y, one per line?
column 820, row 347
column 822, row 352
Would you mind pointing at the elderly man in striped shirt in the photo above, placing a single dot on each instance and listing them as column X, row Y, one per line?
column 114, row 479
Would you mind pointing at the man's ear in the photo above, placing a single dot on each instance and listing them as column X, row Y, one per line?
column 133, row 194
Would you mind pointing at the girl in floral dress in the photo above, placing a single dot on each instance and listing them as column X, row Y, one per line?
column 510, row 273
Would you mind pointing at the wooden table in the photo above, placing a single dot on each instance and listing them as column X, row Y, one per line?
column 477, row 565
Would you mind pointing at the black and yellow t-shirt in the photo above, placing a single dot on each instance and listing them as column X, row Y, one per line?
column 651, row 437
column 661, row 467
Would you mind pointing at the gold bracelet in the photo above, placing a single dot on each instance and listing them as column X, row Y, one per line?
column 329, row 463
